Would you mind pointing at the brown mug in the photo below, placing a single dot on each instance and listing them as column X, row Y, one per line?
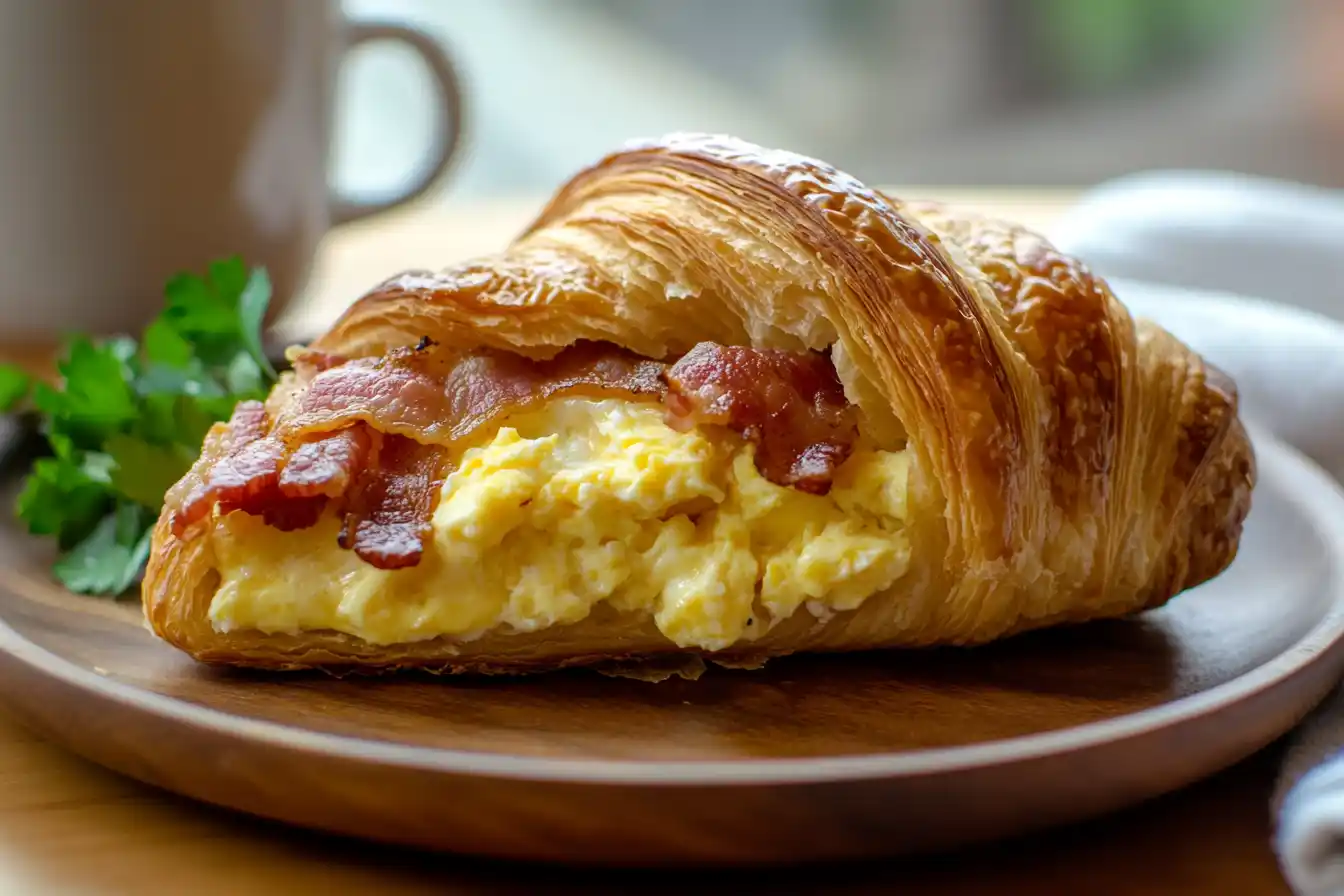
column 145, row 137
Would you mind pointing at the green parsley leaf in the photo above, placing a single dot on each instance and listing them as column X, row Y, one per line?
column 190, row 379
column 113, row 554
column 252, row 304
column 64, row 497
column 163, row 345
column 228, row 277
column 97, row 467
column 244, row 377
column 222, row 312
column 168, row 418
column 128, row 418
column 197, row 311
column 14, row 386
column 143, row 472
column 96, row 399
column 123, row 348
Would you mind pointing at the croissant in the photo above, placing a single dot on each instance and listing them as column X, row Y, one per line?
column 716, row 401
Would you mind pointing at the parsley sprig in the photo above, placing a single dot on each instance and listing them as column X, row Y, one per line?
column 127, row 420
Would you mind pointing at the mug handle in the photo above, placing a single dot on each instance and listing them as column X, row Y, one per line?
column 449, row 131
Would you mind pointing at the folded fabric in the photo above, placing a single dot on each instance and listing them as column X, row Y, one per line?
column 1190, row 235
column 1208, row 230
column 1309, row 803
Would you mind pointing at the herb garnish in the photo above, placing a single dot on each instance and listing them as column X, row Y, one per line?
column 128, row 418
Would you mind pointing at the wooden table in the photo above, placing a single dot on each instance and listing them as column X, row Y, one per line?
column 68, row 826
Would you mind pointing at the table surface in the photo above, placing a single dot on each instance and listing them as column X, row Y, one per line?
column 69, row 826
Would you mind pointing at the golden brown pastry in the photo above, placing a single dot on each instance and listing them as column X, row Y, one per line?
column 717, row 400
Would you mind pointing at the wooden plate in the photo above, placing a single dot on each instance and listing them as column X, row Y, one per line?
column 815, row 757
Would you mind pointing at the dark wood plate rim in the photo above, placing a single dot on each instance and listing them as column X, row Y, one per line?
column 1282, row 468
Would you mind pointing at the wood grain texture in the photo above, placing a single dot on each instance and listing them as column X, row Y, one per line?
column 813, row 758
column 68, row 826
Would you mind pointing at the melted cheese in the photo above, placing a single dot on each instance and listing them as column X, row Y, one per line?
column 580, row 503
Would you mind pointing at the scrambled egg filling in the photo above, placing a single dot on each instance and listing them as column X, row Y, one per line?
column 583, row 502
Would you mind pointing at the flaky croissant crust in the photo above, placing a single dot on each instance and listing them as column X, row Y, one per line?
column 1071, row 463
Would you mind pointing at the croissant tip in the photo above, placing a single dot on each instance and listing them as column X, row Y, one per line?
column 1218, row 504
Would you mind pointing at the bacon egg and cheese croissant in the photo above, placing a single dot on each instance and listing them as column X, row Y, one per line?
column 717, row 400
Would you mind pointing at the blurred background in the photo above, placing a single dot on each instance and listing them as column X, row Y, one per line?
column 967, row 92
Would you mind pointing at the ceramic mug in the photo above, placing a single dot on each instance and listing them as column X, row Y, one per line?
column 139, row 138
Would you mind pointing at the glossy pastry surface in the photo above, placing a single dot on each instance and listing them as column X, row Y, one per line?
column 717, row 399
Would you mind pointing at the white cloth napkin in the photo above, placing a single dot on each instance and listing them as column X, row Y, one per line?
column 1250, row 236
column 1154, row 237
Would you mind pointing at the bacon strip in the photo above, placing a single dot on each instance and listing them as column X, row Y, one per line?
column 185, row 499
column 485, row 386
column 242, row 467
column 223, row 464
column 249, row 474
column 790, row 404
column 369, row 435
column 387, row 521
column 326, row 466
column 403, row 393
column 289, row 514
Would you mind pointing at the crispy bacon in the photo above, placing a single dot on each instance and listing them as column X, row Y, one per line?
column 288, row 514
column 248, row 475
column 326, row 465
column 414, row 393
column 242, row 467
column 289, row 487
column 484, row 386
column 225, row 462
column 368, row 436
column 388, row 515
column 185, row 499
column 790, row 404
